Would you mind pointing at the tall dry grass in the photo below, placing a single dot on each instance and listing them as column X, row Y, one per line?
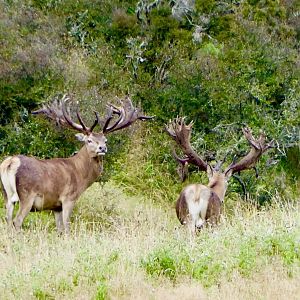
column 121, row 247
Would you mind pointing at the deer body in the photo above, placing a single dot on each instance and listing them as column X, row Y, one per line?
column 198, row 204
column 56, row 184
column 69, row 177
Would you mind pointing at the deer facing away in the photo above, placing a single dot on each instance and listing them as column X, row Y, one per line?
column 197, row 203
column 55, row 184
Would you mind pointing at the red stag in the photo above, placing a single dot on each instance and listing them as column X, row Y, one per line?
column 198, row 203
column 55, row 184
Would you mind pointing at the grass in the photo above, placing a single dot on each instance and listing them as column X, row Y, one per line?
column 122, row 247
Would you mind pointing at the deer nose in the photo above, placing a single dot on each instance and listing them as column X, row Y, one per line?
column 102, row 149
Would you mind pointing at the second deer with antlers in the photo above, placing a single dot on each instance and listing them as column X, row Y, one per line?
column 198, row 203
column 55, row 184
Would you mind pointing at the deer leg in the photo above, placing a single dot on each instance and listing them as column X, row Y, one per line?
column 67, row 208
column 59, row 221
column 214, row 220
column 9, row 198
column 192, row 225
column 9, row 212
column 203, row 212
column 24, row 209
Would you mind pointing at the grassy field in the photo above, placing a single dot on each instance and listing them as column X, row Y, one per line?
column 122, row 247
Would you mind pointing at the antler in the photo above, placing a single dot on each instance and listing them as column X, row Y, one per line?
column 258, row 147
column 127, row 113
column 58, row 112
column 181, row 134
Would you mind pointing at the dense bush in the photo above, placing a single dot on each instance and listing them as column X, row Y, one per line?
column 223, row 64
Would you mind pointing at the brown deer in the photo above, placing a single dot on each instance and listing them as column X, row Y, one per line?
column 197, row 203
column 55, row 184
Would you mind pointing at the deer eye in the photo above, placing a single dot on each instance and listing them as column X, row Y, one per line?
column 89, row 141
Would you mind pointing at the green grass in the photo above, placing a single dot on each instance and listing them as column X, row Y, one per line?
column 122, row 247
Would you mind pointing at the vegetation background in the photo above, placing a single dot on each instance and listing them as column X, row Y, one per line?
column 223, row 64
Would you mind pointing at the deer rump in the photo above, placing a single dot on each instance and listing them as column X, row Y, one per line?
column 198, row 204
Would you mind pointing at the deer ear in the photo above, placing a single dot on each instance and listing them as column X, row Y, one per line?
column 80, row 137
column 228, row 174
column 209, row 171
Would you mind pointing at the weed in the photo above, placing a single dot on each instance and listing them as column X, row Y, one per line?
column 161, row 262
column 101, row 293
column 42, row 295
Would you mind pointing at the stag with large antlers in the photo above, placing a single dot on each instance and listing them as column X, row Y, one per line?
column 55, row 184
column 198, row 203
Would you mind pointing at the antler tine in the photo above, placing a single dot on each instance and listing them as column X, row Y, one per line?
column 108, row 118
column 82, row 127
column 114, row 108
column 252, row 141
column 52, row 111
column 97, row 121
column 182, row 161
column 127, row 113
column 58, row 112
column 170, row 130
column 68, row 117
column 270, row 145
column 241, row 182
column 258, row 148
column 65, row 97
column 144, row 118
column 81, row 121
column 121, row 112
column 181, row 134
column 182, row 169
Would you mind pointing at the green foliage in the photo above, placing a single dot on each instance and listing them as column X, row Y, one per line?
column 242, row 70
column 292, row 162
column 154, row 174
column 36, row 138
column 207, row 271
column 123, row 26
column 173, row 263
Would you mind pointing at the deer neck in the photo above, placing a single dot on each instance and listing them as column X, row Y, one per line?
column 219, row 187
column 89, row 168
